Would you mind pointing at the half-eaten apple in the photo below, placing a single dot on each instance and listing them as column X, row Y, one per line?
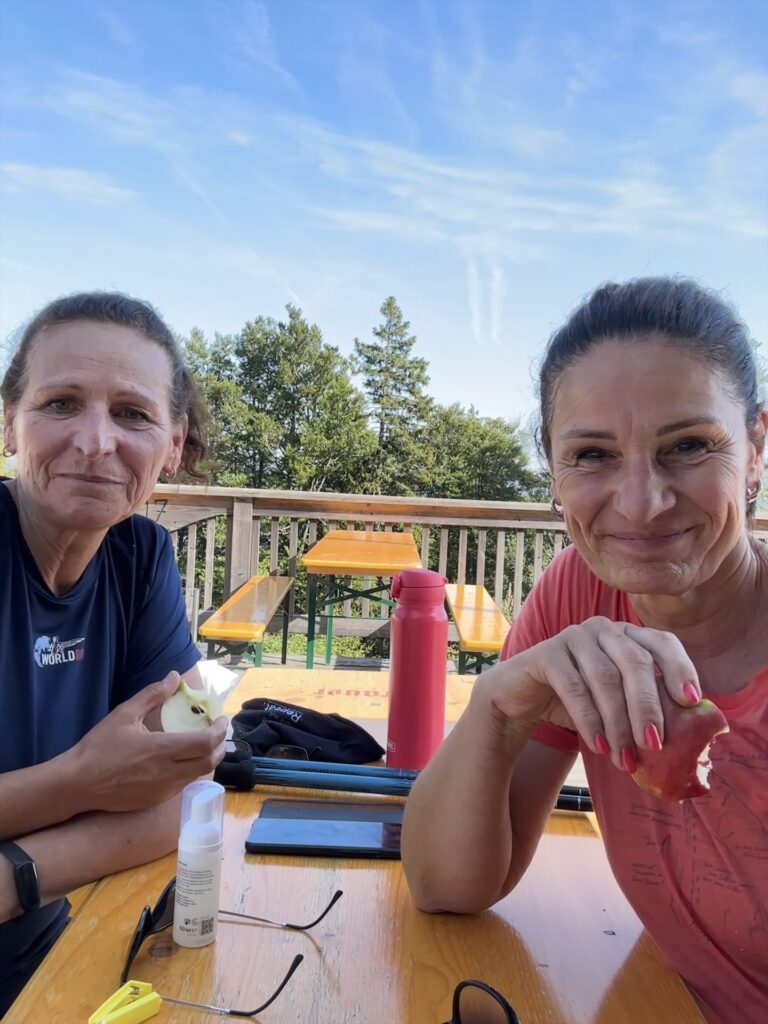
column 189, row 710
column 681, row 768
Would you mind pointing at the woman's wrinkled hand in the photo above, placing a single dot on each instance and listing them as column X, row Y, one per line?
column 122, row 765
column 600, row 678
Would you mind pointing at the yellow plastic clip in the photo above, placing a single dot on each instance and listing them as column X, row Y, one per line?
column 131, row 1004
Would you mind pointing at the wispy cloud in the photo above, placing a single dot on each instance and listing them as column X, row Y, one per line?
column 67, row 182
column 406, row 191
column 116, row 29
column 252, row 33
column 371, row 68
column 486, row 295
column 484, row 98
column 451, row 200
column 129, row 116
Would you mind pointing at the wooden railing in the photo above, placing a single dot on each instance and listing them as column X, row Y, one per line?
column 502, row 545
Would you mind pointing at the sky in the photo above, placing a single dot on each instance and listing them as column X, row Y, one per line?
column 488, row 163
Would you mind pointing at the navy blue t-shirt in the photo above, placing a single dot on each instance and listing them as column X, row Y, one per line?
column 66, row 662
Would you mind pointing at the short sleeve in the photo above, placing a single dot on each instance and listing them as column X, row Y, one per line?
column 539, row 620
column 159, row 640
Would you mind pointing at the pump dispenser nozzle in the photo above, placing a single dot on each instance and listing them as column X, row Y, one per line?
column 203, row 827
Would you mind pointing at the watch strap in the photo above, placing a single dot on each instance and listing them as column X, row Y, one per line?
column 24, row 875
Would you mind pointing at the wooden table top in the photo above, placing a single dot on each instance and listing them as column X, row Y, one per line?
column 357, row 694
column 362, row 553
column 564, row 947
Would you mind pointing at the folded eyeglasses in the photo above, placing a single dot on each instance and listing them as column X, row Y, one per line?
column 154, row 920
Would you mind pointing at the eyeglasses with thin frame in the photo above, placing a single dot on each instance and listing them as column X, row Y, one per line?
column 283, row 751
column 474, row 1002
column 154, row 920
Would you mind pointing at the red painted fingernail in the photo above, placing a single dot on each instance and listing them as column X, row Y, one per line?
column 691, row 693
column 602, row 744
column 652, row 737
column 628, row 760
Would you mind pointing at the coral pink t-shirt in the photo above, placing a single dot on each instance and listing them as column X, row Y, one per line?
column 696, row 873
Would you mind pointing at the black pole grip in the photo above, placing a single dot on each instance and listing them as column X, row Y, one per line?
column 235, row 774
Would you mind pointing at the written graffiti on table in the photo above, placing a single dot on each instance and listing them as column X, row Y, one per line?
column 323, row 692
column 356, row 698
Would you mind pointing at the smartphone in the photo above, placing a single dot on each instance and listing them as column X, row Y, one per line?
column 320, row 828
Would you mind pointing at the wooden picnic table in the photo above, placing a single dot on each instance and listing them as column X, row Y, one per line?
column 564, row 947
column 354, row 554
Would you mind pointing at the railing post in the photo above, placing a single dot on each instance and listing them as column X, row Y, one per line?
column 239, row 547
column 210, row 551
column 189, row 578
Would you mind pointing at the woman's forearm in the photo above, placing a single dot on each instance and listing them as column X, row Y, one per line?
column 457, row 835
column 91, row 846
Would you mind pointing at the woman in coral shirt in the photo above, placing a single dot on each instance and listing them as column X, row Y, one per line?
column 655, row 435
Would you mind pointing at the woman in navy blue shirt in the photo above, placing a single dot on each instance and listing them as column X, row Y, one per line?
column 93, row 631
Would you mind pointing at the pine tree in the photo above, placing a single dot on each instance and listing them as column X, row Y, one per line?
column 394, row 382
column 284, row 412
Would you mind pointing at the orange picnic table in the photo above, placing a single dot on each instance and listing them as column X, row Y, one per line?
column 354, row 554
column 564, row 946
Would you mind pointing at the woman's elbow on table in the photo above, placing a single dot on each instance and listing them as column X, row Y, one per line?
column 442, row 889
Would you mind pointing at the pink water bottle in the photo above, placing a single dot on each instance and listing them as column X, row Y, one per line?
column 418, row 655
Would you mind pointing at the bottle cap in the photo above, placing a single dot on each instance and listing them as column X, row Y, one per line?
column 416, row 578
column 202, row 814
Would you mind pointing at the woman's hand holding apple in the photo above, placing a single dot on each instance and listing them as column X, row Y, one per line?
column 599, row 678
column 121, row 765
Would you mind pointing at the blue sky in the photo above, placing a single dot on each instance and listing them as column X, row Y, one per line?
column 488, row 163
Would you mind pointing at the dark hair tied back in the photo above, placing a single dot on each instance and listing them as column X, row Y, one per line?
column 676, row 310
column 121, row 311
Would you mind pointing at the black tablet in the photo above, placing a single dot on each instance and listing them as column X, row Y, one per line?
column 321, row 828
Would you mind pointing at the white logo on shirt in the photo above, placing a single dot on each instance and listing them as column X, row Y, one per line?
column 49, row 650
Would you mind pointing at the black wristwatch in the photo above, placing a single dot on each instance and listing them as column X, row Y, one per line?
column 24, row 875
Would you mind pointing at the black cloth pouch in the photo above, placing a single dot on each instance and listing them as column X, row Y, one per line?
column 263, row 723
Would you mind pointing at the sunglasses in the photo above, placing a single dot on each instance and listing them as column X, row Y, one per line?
column 154, row 920
column 474, row 1002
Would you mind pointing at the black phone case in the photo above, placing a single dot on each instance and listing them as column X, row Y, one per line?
column 324, row 810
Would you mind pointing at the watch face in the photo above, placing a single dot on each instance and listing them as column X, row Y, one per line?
column 27, row 885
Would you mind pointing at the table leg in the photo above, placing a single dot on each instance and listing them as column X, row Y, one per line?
column 311, row 608
column 286, row 621
column 329, row 607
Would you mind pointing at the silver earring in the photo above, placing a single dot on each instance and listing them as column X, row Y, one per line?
column 752, row 493
column 170, row 474
column 557, row 508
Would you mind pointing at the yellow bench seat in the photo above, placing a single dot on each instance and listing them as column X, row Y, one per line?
column 480, row 624
column 245, row 615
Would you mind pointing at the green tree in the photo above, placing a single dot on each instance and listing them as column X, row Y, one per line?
column 394, row 382
column 474, row 456
column 214, row 366
column 285, row 413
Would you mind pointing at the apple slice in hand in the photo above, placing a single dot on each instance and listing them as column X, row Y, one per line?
column 189, row 710
column 679, row 770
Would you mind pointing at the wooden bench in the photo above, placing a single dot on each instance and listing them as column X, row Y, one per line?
column 481, row 627
column 245, row 615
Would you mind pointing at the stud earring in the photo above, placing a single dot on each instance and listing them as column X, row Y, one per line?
column 752, row 493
